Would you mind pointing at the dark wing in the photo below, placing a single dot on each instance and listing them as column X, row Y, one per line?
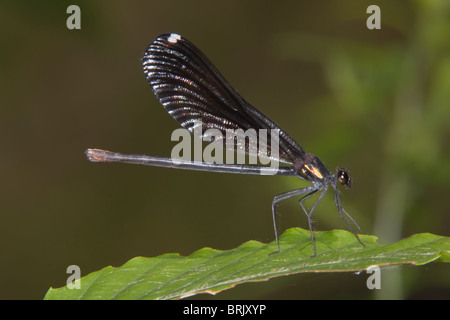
column 191, row 89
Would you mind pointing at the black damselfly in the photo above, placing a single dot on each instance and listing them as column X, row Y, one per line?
column 193, row 91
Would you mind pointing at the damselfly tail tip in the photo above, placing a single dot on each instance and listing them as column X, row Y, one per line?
column 97, row 155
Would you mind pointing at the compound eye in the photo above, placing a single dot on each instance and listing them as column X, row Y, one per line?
column 344, row 178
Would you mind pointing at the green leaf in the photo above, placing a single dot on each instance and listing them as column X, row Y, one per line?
column 171, row 276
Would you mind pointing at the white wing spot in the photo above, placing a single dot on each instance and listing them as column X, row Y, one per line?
column 173, row 38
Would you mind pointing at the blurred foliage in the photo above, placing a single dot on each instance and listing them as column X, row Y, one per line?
column 399, row 91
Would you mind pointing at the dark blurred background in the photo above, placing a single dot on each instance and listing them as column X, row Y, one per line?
column 374, row 101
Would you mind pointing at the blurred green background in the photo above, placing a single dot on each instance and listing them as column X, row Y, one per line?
column 374, row 101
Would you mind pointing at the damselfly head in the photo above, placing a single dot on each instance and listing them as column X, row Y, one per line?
column 344, row 178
